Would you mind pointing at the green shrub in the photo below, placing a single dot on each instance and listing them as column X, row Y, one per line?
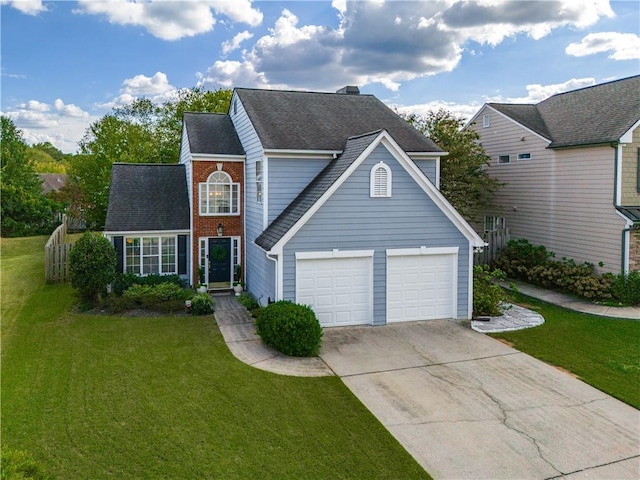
column 248, row 301
column 626, row 288
column 19, row 465
column 488, row 296
column 519, row 256
column 201, row 304
column 290, row 328
column 92, row 265
column 126, row 280
column 163, row 297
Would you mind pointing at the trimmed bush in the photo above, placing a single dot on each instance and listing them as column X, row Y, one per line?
column 126, row 280
column 92, row 265
column 626, row 288
column 163, row 297
column 19, row 465
column 519, row 256
column 248, row 301
column 290, row 328
column 201, row 304
column 488, row 296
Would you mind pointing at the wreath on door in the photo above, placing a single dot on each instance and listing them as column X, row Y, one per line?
column 219, row 253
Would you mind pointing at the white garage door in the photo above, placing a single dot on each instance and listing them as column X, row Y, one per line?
column 337, row 289
column 421, row 286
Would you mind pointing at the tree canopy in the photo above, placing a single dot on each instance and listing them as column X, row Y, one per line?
column 464, row 180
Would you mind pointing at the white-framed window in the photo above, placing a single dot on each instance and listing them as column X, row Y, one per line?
column 219, row 195
column 259, row 181
column 524, row 156
column 151, row 255
column 493, row 223
column 486, row 120
column 504, row 159
column 380, row 181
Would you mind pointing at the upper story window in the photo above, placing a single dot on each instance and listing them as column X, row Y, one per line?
column 524, row 156
column 486, row 120
column 380, row 182
column 219, row 195
column 259, row 181
column 504, row 159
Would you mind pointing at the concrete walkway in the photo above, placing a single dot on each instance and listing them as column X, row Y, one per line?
column 464, row 405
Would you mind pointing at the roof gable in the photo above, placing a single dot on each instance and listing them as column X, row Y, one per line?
column 211, row 134
column 327, row 182
column 147, row 197
column 295, row 120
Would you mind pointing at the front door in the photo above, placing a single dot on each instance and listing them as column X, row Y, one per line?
column 219, row 260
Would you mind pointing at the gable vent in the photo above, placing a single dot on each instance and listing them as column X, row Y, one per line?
column 349, row 90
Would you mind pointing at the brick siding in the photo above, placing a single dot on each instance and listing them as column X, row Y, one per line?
column 634, row 250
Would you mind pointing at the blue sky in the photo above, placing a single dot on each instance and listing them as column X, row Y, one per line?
column 65, row 64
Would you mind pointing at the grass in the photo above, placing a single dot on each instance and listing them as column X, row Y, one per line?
column 91, row 396
column 603, row 352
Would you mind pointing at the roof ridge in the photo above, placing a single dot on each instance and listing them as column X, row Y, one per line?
column 595, row 85
column 301, row 91
column 373, row 132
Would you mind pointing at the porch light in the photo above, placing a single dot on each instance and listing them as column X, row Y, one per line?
column 220, row 229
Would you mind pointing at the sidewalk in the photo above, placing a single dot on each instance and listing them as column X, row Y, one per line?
column 573, row 303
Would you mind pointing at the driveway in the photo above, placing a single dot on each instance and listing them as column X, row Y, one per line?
column 467, row 406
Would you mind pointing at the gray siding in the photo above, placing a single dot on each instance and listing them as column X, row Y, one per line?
column 351, row 220
column 185, row 159
column 259, row 271
column 562, row 199
column 287, row 178
column 428, row 167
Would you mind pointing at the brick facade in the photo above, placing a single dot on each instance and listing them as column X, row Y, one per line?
column 207, row 226
column 634, row 250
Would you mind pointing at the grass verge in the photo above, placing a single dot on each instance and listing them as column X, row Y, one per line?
column 603, row 352
column 91, row 396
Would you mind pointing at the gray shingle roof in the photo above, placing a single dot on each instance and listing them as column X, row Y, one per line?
column 212, row 133
column 589, row 116
column 324, row 121
column 312, row 193
column 147, row 197
column 52, row 181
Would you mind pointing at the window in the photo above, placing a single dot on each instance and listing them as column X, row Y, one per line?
column 149, row 255
column 486, row 120
column 504, row 159
column 524, row 156
column 491, row 224
column 380, row 181
column 219, row 195
column 259, row 181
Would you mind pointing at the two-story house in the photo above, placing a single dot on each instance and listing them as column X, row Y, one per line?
column 324, row 199
column 570, row 165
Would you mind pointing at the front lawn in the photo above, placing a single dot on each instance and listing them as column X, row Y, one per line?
column 93, row 396
column 603, row 352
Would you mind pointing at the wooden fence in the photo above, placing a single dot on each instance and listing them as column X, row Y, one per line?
column 497, row 240
column 56, row 255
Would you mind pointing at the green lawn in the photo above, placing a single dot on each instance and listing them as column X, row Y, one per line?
column 604, row 352
column 91, row 396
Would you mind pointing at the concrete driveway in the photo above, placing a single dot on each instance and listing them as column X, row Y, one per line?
column 467, row 406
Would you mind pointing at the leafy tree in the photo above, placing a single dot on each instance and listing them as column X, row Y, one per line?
column 92, row 265
column 43, row 162
column 51, row 150
column 464, row 181
column 24, row 210
column 87, row 190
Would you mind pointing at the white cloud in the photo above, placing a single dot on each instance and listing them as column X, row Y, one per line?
column 29, row 7
column 391, row 42
column 537, row 93
column 171, row 20
column 459, row 110
column 157, row 88
column 624, row 46
column 61, row 124
column 234, row 43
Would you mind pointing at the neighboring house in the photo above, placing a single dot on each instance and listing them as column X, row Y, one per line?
column 52, row 182
column 324, row 199
column 570, row 164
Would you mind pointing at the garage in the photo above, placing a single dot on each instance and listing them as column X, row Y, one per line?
column 337, row 285
column 421, row 284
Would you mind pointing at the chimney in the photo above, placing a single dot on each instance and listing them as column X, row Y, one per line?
column 349, row 90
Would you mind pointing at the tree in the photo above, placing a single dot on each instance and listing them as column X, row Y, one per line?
column 42, row 162
column 92, row 265
column 87, row 189
column 464, row 180
column 51, row 150
column 24, row 210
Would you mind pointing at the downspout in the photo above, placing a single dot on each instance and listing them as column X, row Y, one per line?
column 274, row 259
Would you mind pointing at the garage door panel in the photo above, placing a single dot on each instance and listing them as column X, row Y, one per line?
column 337, row 289
column 420, row 287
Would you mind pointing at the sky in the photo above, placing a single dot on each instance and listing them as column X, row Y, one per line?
column 65, row 64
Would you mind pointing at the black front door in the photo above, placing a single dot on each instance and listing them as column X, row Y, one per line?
column 219, row 260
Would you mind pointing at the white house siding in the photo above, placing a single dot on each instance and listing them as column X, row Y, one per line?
column 629, row 180
column 562, row 199
column 287, row 178
column 352, row 220
column 259, row 271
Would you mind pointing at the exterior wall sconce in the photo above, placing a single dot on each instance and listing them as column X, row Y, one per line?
column 220, row 229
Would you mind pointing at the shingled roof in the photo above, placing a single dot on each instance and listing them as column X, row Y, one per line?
column 594, row 115
column 312, row 193
column 147, row 197
column 212, row 133
column 324, row 121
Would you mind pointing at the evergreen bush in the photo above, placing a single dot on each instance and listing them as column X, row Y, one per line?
column 290, row 328
column 92, row 265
